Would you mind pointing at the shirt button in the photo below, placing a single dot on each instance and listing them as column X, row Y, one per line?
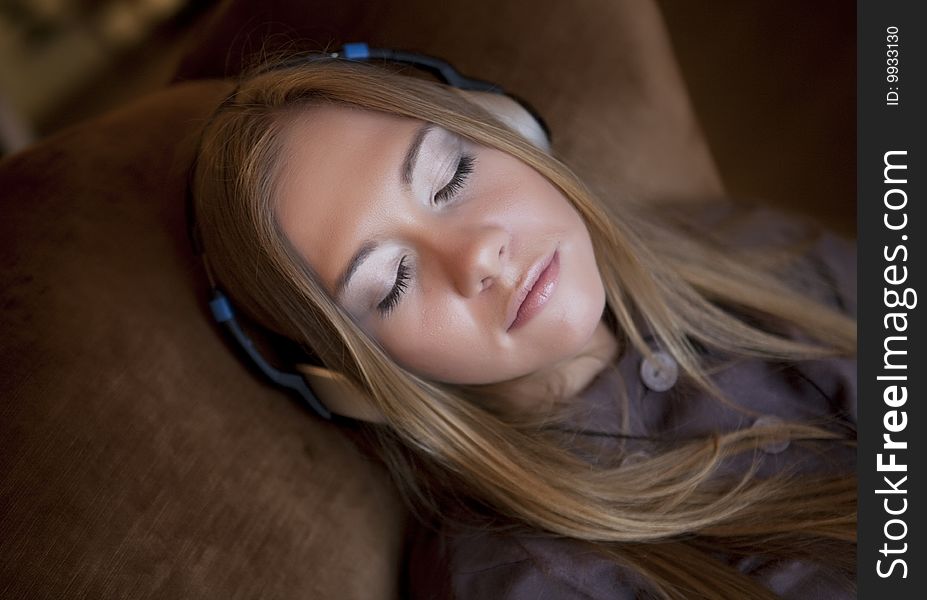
column 636, row 456
column 773, row 446
column 659, row 372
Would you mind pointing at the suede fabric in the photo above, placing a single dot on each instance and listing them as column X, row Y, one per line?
column 139, row 458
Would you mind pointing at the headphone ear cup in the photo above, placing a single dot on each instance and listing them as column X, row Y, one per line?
column 535, row 116
column 338, row 395
column 516, row 114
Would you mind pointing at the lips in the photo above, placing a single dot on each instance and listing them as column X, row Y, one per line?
column 536, row 289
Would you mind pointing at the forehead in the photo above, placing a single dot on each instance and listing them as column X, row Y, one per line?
column 340, row 165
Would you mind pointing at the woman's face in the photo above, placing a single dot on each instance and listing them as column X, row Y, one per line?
column 432, row 242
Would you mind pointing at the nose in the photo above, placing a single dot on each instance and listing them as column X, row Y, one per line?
column 475, row 257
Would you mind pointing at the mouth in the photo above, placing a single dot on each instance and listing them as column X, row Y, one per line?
column 536, row 289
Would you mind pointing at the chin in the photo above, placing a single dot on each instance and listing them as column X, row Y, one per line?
column 579, row 321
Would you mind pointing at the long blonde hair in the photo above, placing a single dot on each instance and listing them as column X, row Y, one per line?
column 664, row 516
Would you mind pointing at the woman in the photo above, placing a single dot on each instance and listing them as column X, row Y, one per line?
column 496, row 316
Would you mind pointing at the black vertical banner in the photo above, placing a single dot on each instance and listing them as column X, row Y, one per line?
column 892, row 170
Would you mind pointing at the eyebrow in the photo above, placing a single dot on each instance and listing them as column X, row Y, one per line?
column 408, row 164
column 406, row 169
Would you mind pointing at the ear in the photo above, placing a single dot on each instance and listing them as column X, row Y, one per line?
column 512, row 114
column 339, row 395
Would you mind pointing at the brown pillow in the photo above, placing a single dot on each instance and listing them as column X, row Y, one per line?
column 139, row 458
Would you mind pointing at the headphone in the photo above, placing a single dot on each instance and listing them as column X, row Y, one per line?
column 310, row 382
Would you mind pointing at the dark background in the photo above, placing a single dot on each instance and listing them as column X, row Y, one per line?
column 773, row 83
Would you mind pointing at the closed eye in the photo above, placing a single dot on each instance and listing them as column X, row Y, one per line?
column 402, row 282
column 464, row 168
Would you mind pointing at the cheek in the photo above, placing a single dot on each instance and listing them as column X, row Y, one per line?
column 438, row 340
column 538, row 209
column 574, row 311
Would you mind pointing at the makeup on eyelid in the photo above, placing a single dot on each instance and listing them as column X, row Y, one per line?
column 446, row 194
column 442, row 189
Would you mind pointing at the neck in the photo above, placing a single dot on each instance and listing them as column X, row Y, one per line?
column 569, row 376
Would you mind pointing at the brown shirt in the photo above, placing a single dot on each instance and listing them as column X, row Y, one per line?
column 468, row 565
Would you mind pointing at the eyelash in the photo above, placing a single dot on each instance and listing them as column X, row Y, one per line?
column 464, row 168
column 403, row 275
column 402, row 282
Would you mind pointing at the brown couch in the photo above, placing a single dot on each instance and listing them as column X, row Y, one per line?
column 139, row 458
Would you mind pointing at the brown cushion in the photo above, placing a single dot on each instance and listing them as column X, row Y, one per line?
column 138, row 457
